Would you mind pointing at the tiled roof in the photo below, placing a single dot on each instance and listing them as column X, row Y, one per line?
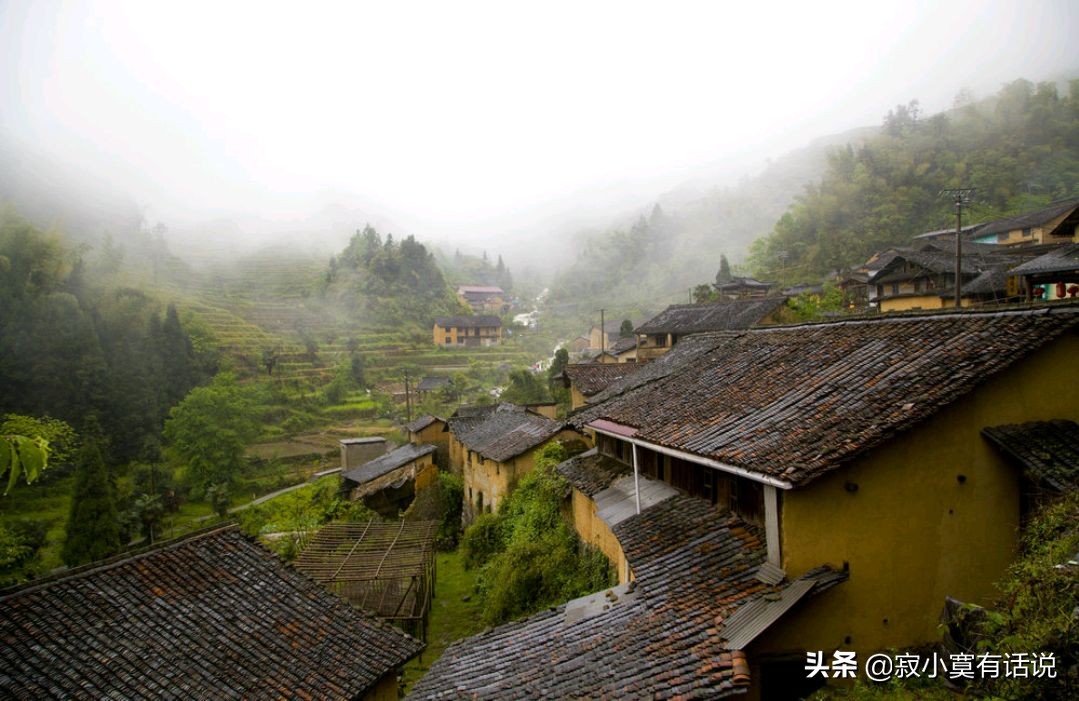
column 724, row 316
column 211, row 616
column 1062, row 259
column 1048, row 449
column 591, row 471
column 387, row 463
column 1030, row 219
column 659, row 637
column 422, row 423
column 468, row 322
column 590, row 378
column 621, row 345
column 740, row 282
column 479, row 289
column 504, row 432
column 793, row 402
column 429, row 384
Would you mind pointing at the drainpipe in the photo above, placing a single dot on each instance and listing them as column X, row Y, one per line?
column 636, row 479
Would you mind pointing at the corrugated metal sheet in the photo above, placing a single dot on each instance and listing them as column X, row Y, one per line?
column 618, row 502
column 771, row 574
column 752, row 619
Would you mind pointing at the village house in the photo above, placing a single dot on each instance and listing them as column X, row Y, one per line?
column 492, row 447
column 743, row 288
column 1052, row 275
column 659, row 334
column 1055, row 224
column 603, row 339
column 467, row 331
column 702, row 589
column 431, row 430
column 389, row 483
column 483, row 298
column 584, row 380
column 854, row 444
column 211, row 615
column 430, row 384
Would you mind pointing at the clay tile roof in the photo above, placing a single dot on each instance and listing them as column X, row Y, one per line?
column 468, row 322
column 591, row 378
column 794, row 402
column 591, row 472
column 723, row 316
column 429, row 384
column 211, row 616
column 622, row 345
column 1049, row 450
column 1062, row 259
column 1030, row 219
column 656, row 638
column 504, row 432
column 422, row 423
column 387, row 463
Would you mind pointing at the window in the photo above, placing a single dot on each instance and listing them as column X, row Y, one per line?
column 895, row 288
column 1027, row 232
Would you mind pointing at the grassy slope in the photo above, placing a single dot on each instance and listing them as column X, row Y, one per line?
column 452, row 618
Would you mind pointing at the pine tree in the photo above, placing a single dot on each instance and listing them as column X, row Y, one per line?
column 724, row 274
column 93, row 528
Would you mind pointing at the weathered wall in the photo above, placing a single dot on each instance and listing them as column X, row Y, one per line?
column 594, row 531
column 935, row 514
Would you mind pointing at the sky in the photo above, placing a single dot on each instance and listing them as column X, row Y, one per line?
column 462, row 117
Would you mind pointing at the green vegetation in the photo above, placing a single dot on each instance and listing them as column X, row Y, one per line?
column 397, row 284
column 525, row 387
column 209, row 430
column 1020, row 149
column 528, row 554
column 93, row 531
column 442, row 502
column 289, row 517
column 456, row 613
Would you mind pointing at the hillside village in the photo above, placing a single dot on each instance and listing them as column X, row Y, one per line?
column 754, row 492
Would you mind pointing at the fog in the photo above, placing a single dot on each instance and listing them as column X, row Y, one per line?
column 470, row 123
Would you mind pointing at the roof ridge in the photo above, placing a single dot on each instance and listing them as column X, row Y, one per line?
column 120, row 559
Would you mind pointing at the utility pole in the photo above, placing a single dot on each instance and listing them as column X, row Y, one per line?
column 960, row 196
column 408, row 398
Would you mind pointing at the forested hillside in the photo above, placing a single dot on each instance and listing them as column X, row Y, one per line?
column 387, row 282
column 655, row 260
column 1020, row 149
column 102, row 357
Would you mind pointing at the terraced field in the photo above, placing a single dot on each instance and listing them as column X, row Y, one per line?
column 271, row 302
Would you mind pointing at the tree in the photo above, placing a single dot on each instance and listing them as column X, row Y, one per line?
column 626, row 329
column 356, row 367
column 93, row 527
column 724, row 274
column 22, row 455
column 524, row 388
column 561, row 360
column 703, row 294
column 209, row 430
column 269, row 359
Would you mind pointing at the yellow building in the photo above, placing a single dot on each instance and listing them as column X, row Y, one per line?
column 431, row 430
column 1056, row 224
column 493, row 447
column 859, row 445
column 467, row 331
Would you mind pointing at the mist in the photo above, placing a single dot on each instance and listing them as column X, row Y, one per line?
column 475, row 125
